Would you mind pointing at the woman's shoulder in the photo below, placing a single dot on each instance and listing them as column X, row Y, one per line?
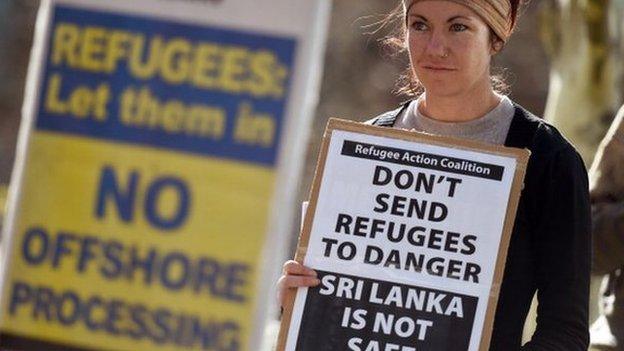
column 553, row 156
column 540, row 136
column 387, row 118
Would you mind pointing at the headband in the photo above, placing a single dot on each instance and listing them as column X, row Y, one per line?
column 495, row 13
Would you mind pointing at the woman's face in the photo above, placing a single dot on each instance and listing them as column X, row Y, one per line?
column 450, row 47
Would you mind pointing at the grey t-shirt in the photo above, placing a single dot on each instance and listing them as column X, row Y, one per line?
column 491, row 128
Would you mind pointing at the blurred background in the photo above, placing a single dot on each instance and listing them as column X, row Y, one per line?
column 563, row 62
column 358, row 77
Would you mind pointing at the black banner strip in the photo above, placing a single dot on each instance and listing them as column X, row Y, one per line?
column 322, row 326
column 19, row 343
column 422, row 160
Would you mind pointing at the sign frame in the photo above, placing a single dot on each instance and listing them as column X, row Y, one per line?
column 334, row 124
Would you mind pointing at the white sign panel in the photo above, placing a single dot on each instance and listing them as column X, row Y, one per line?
column 408, row 234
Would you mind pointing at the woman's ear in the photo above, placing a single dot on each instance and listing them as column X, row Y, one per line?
column 497, row 46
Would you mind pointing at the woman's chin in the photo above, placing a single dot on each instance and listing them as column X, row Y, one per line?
column 441, row 88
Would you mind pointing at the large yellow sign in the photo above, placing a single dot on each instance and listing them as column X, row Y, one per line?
column 147, row 180
column 93, row 257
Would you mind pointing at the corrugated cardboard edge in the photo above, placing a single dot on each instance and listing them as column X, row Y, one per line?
column 522, row 159
column 304, row 236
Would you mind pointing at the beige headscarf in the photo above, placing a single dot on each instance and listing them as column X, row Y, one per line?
column 496, row 13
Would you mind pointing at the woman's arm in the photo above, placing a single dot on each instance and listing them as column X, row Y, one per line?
column 563, row 248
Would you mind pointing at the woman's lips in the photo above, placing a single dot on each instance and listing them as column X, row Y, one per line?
column 438, row 68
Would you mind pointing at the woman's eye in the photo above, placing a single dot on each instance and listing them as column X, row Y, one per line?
column 419, row 26
column 458, row 27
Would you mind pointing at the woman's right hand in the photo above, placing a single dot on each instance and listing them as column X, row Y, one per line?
column 294, row 275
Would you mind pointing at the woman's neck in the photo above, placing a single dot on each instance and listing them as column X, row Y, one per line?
column 459, row 108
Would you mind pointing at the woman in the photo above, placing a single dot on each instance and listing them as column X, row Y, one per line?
column 450, row 45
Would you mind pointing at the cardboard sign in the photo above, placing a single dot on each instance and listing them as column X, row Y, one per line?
column 146, row 172
column 408, row 234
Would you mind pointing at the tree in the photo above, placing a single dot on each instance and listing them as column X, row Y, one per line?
column 584, row 42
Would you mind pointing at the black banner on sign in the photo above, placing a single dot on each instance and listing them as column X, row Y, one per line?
column 354, row 313
column 423, row 160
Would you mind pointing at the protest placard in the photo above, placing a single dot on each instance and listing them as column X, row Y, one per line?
column 157, row 139
column 408, row 233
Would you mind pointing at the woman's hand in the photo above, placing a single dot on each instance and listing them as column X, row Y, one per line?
column 294, row 275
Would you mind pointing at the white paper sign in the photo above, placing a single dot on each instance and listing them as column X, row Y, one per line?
column 406, row 237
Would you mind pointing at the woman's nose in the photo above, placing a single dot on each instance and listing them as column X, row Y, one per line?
column 437, row 45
